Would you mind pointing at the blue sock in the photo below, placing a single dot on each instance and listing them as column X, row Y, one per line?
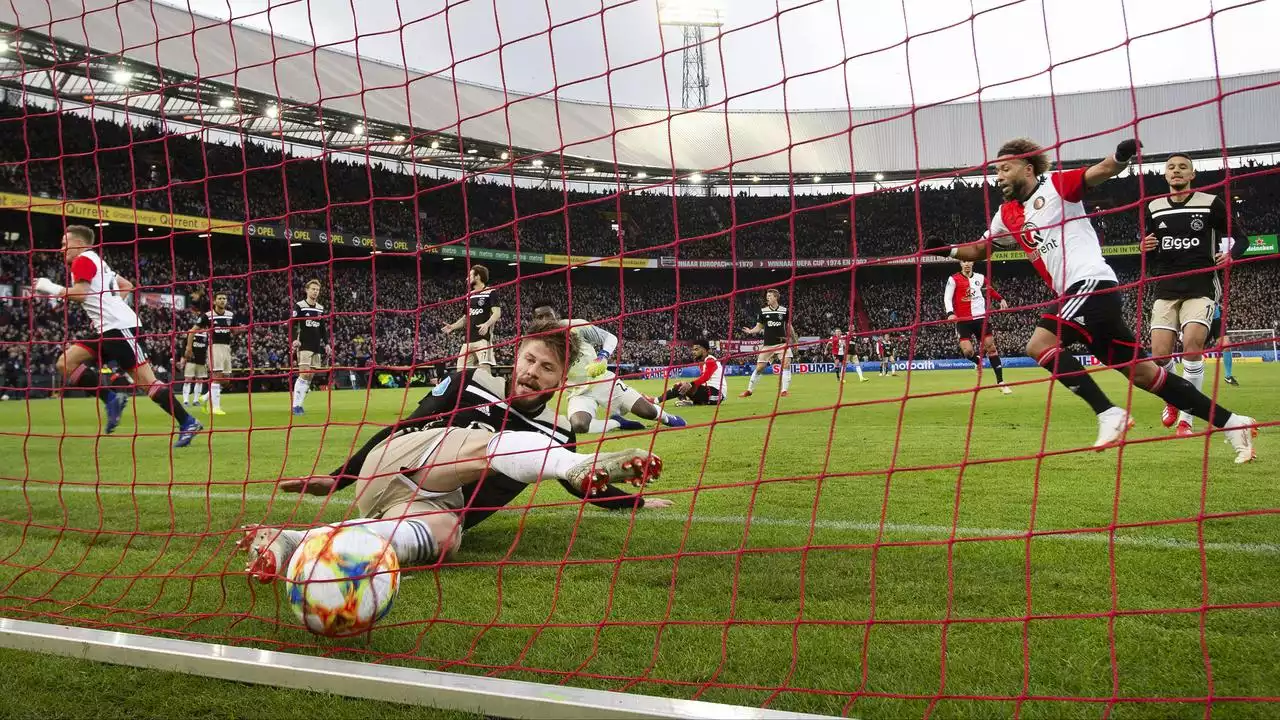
column 1226, row 362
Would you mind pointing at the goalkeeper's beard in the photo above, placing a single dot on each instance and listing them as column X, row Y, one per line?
column 529, row 398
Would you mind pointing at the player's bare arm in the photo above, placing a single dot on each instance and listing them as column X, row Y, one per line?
column 1112, row 165
column 495, row 314
column 191, row 337
column 126, row 287
column 759, row 328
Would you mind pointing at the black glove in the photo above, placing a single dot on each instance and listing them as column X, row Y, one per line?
column 937, row 246
column 1126, row 150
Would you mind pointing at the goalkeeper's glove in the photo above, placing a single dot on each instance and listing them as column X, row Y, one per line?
column 1126, row 150
column 597, row 368
column 45, row 286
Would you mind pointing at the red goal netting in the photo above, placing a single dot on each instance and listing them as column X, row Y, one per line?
column 886, row 524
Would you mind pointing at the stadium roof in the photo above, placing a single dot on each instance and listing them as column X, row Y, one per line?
column 203, row 70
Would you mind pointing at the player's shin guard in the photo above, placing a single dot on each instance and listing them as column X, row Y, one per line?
column 300, row 387
column 160, row 393
column 186, row 392
column 1067, row 370
column 86, row 377
column 215, row 395
column 997, row 366
column 1183, row 395
column 412, row 540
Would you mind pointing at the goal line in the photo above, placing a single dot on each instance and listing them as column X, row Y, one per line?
column 493, row 697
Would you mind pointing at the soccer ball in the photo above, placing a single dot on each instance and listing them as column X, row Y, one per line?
column 342, row 580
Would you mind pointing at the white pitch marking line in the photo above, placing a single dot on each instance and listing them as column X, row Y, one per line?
column 934, row 532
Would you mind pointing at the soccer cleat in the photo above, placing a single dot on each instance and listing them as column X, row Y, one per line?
column 1111, row 427
column 637, row 467
column 675, row 421
column 864, row 379
column 745, row 393
column 115, row 410
column 785, row 393
column 1169, row 416
column 1005, row 389
column 209, row 408
column 1184, row 429
column 1231, row 380
column 625, row 424
column 297, row 410
column 187, row 431
column 269, row 550
column 1240, row 432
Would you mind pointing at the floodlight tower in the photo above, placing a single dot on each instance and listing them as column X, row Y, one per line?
column 691, row 16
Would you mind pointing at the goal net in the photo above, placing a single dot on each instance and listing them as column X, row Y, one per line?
column 240, row 240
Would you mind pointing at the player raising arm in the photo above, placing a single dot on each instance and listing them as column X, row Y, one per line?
column 965, row 299
column 774, row 323
column 1044, row 216
column 457, row 460
column 591, row 386
column 101, row 292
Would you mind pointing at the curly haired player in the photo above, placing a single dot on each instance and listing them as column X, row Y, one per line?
column 1044, row 216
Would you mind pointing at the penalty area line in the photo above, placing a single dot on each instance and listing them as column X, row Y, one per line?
column 932, row 532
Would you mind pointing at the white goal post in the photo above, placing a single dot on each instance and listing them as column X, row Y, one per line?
column 493, row 697
column 1263, row 339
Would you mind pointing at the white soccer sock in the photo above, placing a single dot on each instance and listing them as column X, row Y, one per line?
column 755, row 377
column 215, row 395
column 410, row 538
column 1192, row 372
column 599, row 427
column 858, row 367
column 186, row 392
column 528, row 457
column 665, row 417
column 786, row 379
column 300, row 387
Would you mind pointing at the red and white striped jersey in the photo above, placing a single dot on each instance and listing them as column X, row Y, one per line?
column 1053, row 229
column 966, row 295
column 105, row 307
column 839, row 345
column 712, row 374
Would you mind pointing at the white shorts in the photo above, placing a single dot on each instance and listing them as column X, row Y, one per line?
column 616, row 397
column 220, row 359
column 191, row 371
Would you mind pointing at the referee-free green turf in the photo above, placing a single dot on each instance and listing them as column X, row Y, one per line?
column 894, row 548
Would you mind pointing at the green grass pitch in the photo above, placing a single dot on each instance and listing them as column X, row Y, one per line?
column 806, row 551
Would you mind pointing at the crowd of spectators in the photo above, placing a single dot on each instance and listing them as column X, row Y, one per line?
column 387, row 310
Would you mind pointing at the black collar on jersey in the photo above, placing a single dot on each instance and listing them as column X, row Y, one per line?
column 1022, row 201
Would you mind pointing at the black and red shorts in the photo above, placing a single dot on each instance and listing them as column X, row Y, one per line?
column 123, row 347
column 1091, row 313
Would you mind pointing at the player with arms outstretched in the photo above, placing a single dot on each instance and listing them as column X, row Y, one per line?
column 215, row 326
column 471, row 447
column 309, row 342
column 592, row 387
column 1187, row 231
column 774, row 323
column 1044, row 216
column 706, row 389
column 965, row 299
column 101, row 292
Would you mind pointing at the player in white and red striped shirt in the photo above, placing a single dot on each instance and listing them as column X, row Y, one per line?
column 101, row 292
column 841, row 349
column 706, row 389
column 1044, row 216
column 965, row 299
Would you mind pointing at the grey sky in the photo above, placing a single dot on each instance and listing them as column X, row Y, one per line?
column 762, row 37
